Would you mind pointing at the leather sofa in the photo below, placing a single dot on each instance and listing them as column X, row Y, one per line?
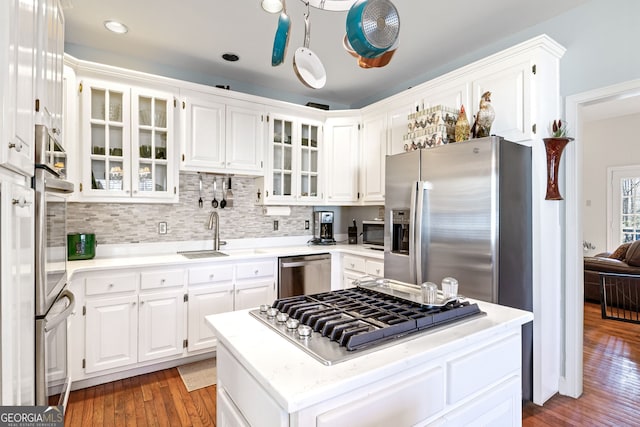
column 624, row 260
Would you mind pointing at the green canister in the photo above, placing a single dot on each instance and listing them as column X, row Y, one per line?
column 81, row 246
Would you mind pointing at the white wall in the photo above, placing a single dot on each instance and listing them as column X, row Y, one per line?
column 608, row 142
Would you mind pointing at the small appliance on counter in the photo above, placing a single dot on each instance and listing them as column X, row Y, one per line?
column 323, row 228
column 81, row 246
column 353, row 234
column 373, row 234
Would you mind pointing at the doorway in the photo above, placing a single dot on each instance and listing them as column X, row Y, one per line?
column 579, row 109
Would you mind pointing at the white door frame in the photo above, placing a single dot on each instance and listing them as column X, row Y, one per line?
column 572, row 384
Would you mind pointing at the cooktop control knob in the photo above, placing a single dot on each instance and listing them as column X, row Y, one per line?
column 282, row 317
column 304, row 331
column 292, row 323
column 272, row 312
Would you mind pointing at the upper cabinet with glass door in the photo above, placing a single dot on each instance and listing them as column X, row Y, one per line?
column 127, row 144
column 294, row 153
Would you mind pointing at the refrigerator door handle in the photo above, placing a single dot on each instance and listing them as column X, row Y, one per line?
column 413, row 236
column 418, row 233
column 50, row 324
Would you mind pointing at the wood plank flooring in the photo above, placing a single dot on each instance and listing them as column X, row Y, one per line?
column 611, row 379
column 611, row 390
column 155, row 399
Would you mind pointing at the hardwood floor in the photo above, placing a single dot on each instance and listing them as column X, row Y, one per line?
column 155, row 399
column 611, row 379
column 611, row 389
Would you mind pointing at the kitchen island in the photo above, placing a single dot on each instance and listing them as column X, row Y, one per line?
column 466, row 373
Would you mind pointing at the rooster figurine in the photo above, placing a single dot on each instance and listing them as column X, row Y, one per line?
column 484, row 118
column 462, row 126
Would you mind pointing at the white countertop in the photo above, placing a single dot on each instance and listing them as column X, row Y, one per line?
column 136, row 257
column 297, row 380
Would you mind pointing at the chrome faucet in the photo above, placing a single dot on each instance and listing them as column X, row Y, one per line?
column 214, row 219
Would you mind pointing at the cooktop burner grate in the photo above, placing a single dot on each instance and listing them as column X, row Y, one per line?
column 337, row 325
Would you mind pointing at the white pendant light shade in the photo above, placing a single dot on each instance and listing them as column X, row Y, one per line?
column 272, row 6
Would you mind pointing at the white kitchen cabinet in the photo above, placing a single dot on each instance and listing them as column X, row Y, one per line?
column 510, row 85
column 255, row 284
column 111, row 332
column 123, row 326
column 17, row 324
column 245, row 137
column 342, row 136
column 127, row 143
column 210, row 292
column 221, row 135
column 374, row 151
column 17, row 92
column 453, row 94
column 228, row 414
column 397, row 126
column 203, row 131
column 161, row 325
column 49, row 65
column 471, row 376
column 355, row 267
column 204, row 301
column 348, row 279
column 253, row 293
column 294, row 151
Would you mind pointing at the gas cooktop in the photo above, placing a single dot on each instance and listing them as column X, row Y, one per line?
column 339, row 325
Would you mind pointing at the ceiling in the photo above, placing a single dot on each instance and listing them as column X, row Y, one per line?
column 191, row 35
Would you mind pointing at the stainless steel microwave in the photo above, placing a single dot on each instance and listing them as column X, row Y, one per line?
column 373, row 234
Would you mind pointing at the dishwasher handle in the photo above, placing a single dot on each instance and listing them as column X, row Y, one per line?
column 304, row 263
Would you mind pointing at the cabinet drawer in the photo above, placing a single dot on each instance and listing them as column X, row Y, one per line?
column 353, row 263
column 210, row 273
column 255, row 269
column 498, row 360
column 113, row 283
column 374, row 268
column 252, row 401
column 161, row 279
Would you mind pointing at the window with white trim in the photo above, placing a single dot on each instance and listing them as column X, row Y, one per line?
column 624, row 203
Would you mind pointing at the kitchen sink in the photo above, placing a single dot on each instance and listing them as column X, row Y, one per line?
column 201, row 254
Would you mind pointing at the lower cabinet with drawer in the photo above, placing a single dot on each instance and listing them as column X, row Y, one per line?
column 123, row 326
column 354, row 267
column 218, row 288
column 130, row 318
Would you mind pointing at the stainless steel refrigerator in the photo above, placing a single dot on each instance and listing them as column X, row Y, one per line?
column 464, row 210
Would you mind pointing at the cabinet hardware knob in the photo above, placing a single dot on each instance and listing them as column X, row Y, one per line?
column 256, row 272
column 133, row 303
column 17, row 146
column 377, row 270
column 21, row 202
column 111, row 285
column 162, row 281
column 211, row 276
column 141, row 302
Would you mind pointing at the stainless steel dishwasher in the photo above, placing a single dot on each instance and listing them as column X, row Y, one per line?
column 304, row 275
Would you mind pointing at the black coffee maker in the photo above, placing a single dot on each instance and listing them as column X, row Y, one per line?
column 323, row 228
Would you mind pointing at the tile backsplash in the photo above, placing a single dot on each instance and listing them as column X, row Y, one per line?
column 116, row 223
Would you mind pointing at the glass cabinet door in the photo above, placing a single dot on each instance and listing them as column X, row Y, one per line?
column 151, row 148
column 309, row 148
column 108, row 140
column 282, row 148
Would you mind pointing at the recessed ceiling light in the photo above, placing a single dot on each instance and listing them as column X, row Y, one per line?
column 116, row 27
column 231, row 57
